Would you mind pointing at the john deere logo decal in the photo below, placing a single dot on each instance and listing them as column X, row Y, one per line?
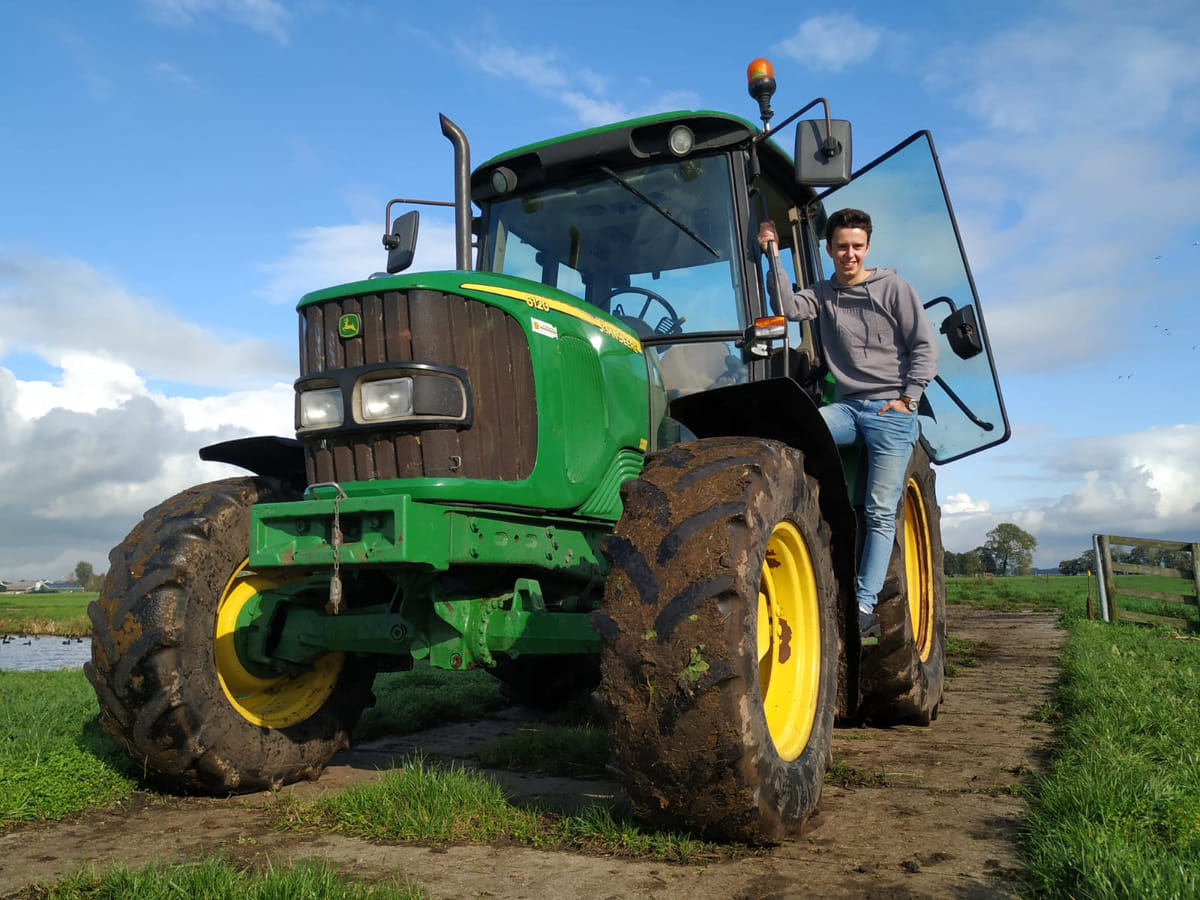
column 349, row 326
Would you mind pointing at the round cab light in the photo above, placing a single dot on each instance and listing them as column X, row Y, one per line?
column 681, row 141
column 504, row 180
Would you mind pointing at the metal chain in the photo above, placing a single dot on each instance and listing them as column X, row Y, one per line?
column 335, row 544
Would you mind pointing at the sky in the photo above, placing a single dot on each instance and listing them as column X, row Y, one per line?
column 175, row 174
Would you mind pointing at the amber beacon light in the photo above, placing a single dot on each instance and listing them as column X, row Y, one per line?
column 760, row 81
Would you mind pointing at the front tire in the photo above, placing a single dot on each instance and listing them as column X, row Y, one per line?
column 719, row 642
column 903, row 677
column 173, row 691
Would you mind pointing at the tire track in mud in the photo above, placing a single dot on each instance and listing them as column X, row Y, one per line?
column 911, row 812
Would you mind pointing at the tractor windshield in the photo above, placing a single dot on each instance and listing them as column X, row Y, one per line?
column 651, row 245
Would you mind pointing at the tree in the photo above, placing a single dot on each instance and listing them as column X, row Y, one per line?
column 967, row 563
column 83, row 574
column 1011, row 548
column 1080, row 565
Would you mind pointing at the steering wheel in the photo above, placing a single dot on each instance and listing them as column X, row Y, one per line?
column 671, row 323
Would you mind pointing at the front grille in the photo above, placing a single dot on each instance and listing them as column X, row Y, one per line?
column 432, row 327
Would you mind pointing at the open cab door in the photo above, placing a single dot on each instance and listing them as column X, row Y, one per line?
column 915, row 232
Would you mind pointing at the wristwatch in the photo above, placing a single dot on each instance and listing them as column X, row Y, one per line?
column 910, row 403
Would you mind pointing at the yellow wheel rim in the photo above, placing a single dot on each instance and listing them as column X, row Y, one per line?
column 789, row 641
column 272, row 702
column 918, row 568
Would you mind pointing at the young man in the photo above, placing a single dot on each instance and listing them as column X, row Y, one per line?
column 882, row 352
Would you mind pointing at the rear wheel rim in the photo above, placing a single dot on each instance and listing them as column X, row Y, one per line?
column 918, row 569
column 273, row 702
column 789, row 641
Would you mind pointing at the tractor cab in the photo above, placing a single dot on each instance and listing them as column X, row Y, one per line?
column 653, row 223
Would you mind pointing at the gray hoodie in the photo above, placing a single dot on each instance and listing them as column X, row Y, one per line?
column 875, row 336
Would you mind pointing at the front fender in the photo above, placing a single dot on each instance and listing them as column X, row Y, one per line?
column 268, row 456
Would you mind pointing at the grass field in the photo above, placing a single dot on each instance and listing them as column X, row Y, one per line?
column 63, row 614
column 1117, row 814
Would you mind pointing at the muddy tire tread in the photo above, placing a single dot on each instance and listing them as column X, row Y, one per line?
column 687, row 557
column 162, row 586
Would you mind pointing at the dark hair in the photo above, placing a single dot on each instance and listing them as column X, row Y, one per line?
column 847, row 218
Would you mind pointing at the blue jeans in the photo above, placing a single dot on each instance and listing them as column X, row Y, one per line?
column 889, row 440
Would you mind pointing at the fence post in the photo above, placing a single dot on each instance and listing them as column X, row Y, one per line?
column 1196, row 574
column 1104, row 561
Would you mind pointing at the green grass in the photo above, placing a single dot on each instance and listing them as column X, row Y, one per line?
column 576, row 751
column 846, row 776
column 54, row 759
column 962, row 653
column 424, row 803
column 1117, row 814
column 1178, row 586
column 427, row 696
column 215, row 878
column 62, row 614
column 1024, row 592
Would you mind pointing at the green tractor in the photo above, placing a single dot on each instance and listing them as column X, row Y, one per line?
column 587, row 459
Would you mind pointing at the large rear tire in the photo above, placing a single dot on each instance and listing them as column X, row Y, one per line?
column 172, row 689
column 903, row 677
column 719, row 641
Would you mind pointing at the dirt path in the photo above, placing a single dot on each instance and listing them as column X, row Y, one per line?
column 933, row 813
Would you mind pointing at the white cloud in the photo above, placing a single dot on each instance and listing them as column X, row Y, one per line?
column 548, row 74
column 83, row 457
column 963, row 505
column 326, row 255
column 832, row 42
column 1139, row 484
column 86, row 449
column 264, row 16
column 1078, row 148
column 53, row 308
column 89, row 62
column 171, row 73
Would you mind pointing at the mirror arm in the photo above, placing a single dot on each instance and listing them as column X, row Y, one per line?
column 829, row 146
column 389, row 239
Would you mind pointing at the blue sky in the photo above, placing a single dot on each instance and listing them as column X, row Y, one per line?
column 174, row 174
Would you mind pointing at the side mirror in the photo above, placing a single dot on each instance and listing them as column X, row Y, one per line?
column 823, row 152
column 961, row 329
column 401, row 242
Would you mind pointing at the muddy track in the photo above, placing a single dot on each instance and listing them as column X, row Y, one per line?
column 911, row 812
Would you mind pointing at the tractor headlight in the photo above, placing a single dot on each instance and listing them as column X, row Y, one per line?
column 321, row 408
column 389, row 398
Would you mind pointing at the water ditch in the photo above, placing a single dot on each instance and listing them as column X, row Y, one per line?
column 33, row 653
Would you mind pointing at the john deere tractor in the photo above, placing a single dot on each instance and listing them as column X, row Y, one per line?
column 589, row 458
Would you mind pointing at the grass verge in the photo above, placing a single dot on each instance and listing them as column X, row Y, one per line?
column 429, row 804
column 1117, row 814
column 54, row 758
column 217, row 879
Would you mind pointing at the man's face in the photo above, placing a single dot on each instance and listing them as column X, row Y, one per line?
column 848, row 250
